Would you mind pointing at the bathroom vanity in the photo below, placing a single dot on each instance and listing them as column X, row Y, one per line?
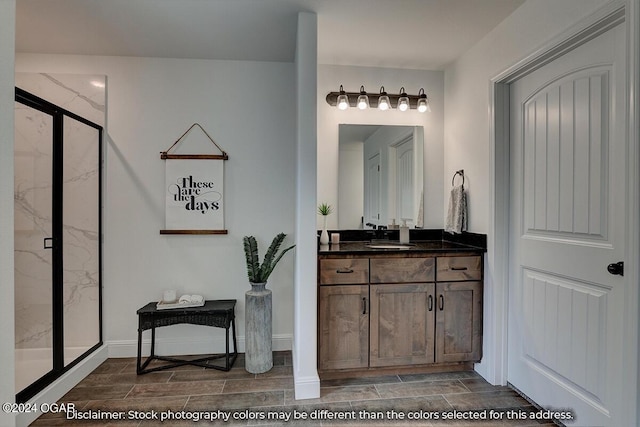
column 385, row 307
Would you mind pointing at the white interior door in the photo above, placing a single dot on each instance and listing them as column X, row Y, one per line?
column 404, row 179
column 567, row 224
column 372, row 190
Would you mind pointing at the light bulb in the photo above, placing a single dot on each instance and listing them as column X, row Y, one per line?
column 343, row 100
column 403, row 101
column 363, row 99
column 383, row 101
column 423, row 102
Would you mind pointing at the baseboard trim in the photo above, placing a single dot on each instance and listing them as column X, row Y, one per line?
column 62, row 385
column 181, row 346
column 306, row 387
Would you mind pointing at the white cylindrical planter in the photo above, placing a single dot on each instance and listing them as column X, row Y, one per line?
column 258, row 350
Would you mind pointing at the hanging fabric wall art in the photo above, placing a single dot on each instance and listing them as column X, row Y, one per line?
column 194, row 191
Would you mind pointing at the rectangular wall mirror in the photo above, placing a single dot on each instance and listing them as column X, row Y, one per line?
column 380, row 176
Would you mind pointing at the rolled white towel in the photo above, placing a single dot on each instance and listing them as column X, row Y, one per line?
column 197, row 299
column 191, row 299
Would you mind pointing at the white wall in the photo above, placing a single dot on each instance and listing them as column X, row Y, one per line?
column 330, row 77
column 467, row 131
column 151, row 102
column 7, row 42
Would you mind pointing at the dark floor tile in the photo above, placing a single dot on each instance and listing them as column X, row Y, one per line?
column 129, row 378
column 231, row 401
column 111, row 366
column 277, row 372
column 421, row 388
column 97, row 393
column 486, row 400
column 480, row 385
column 249, row 385
column 210, row 374
column 360, row 381
column 337, row 394
column 439, row 376
column 152, row 391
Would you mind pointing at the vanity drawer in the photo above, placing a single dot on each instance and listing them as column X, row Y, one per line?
column 402, row 270
column 459, row 268
column 344, row 271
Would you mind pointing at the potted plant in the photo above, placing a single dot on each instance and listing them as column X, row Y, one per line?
column 258, row 307
column 324, row 209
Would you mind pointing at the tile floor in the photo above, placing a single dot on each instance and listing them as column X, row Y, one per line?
column 188, row 391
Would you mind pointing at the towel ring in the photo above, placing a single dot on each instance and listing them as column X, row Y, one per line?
column 461, row 173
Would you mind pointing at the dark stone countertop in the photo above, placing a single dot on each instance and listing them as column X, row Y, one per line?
column 422, row 241
column 430, row 246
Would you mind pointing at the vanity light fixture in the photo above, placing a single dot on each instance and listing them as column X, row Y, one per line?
column 363, row 99
column 343, row 99
column 382, row 101
column 423, row 101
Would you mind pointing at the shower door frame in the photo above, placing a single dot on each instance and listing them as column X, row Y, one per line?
column 57, row 284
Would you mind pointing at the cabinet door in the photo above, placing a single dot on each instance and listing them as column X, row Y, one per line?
column 344, row 327
column 459, row 321
column 402, row 324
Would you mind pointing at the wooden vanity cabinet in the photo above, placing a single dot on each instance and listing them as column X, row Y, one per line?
column 399, row 311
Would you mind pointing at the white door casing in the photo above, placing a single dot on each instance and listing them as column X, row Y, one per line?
column 567, row 223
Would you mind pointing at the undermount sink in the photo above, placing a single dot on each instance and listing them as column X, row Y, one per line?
column 388, row 246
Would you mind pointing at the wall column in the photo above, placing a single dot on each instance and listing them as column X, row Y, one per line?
column 307, row 382
column 7, row 96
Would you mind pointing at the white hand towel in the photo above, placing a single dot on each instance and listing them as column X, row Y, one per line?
column 191, row 299
column 457, row 214
column 197, row 299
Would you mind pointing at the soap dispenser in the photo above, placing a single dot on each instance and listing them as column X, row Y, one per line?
column 404, row 232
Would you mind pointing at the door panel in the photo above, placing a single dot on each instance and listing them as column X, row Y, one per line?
column 80, row 239
column 567, row 224
column 344, row 327
column 402, row 324
column 33, row 263
column 372, row 200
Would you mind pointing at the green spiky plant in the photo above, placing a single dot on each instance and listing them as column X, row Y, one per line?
column 260, row 273
column 324, row 209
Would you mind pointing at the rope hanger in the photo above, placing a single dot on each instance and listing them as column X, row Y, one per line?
column 165, row 154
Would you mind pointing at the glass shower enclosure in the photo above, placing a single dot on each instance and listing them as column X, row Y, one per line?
column 57, row 208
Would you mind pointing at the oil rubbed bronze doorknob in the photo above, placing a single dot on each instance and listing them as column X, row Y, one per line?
column 616, row 268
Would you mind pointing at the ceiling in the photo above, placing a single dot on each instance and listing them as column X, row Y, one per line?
column 414, row 34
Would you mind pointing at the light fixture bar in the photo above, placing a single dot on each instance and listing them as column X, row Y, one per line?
column 332, row 99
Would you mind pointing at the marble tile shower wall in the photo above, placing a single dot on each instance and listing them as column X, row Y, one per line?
column 85, row 96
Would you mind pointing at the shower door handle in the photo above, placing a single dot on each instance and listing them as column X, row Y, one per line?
column 48, row 240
